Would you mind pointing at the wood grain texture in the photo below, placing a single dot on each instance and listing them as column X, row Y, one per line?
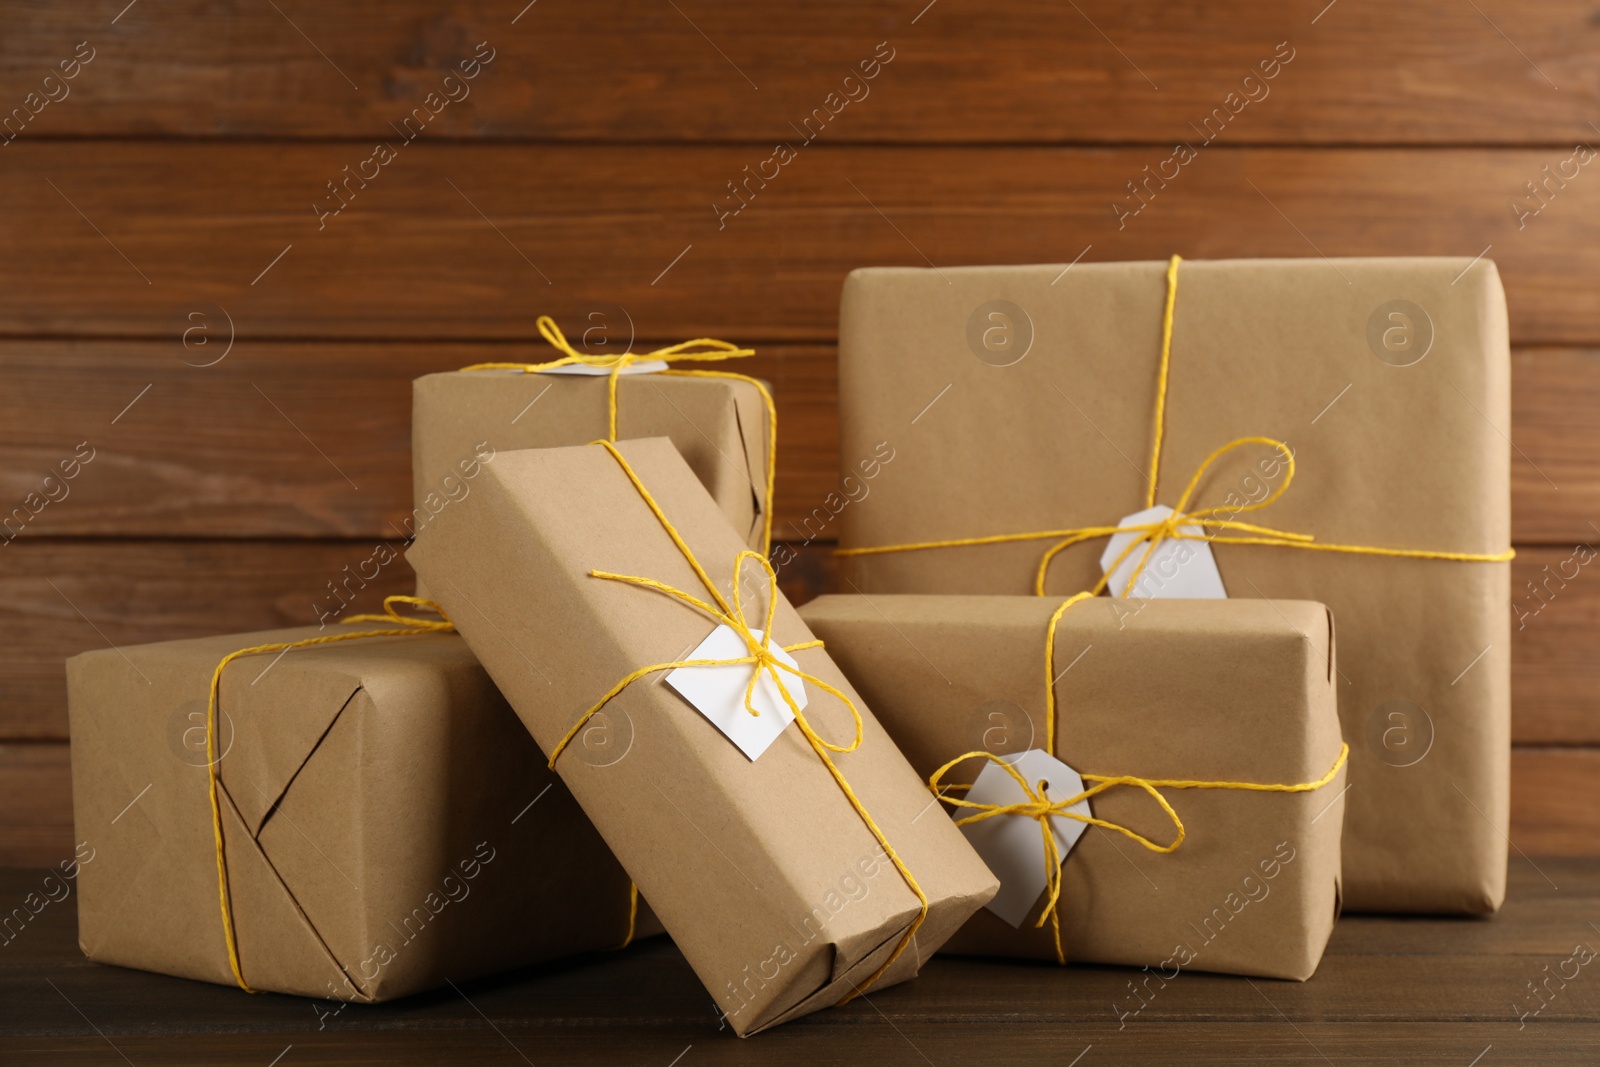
column 313, row 440
column 1441, row 993
column 1099, row 71
column 1555, row 467
column 66, row 597
column 1555, row 632
column 1552, row 801
column 465, row 241
column 35, row 804
column 890, row 1039
column 281, row 439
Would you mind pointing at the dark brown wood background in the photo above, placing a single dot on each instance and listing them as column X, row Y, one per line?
column 163, row 206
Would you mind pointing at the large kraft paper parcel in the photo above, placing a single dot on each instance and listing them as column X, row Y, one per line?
column 1216, row 690
column 768, row 879
column 1025, row 398
column 719, row 425
column 387, row 821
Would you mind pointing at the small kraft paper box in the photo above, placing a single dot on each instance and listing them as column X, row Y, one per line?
column 386, row 820
column 721, row 422
column 781, row 850
column 1216, row 694
column 1149, row 419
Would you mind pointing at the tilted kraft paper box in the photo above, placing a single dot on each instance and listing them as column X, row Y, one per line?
column 767, row 872
column 1035, row 394
column 1219, row 691
column 388, row 822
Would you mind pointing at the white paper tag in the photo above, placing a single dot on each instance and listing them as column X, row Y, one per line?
column 1183, row 570
column 1011, row 844
column 718, row 692
column 644, row 366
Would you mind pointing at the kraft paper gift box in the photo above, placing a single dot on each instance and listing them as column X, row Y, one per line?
column 721, row 422
column 1222, row 691
column 387, row 821
column 766, row 871
column 1387, row 380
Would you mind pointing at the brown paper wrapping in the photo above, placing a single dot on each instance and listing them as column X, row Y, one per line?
column 718, row 424
column 388, row 822
column 1236, row 690
column 1409, row 456
column 766, row 877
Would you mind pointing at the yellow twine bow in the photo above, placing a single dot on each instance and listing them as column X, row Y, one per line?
column 765, row 662
column 699, row 350
column 1153, row 534
column 1039, row 806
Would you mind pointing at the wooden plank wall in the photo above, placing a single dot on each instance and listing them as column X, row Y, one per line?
column 214, row 325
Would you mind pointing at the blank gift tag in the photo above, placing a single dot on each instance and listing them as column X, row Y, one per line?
column 644, row 366
column 1177, row 569
column 718, row 692
column 1012, row 845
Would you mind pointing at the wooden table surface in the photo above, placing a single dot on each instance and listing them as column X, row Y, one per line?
column 1412, row 991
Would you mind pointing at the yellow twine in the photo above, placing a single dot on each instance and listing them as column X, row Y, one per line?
column 1040, row 807
column 701, row 349
column 408, row 625
column 765, row 662
column 1152, row 534
column 633, row 915
column 1161, row 381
